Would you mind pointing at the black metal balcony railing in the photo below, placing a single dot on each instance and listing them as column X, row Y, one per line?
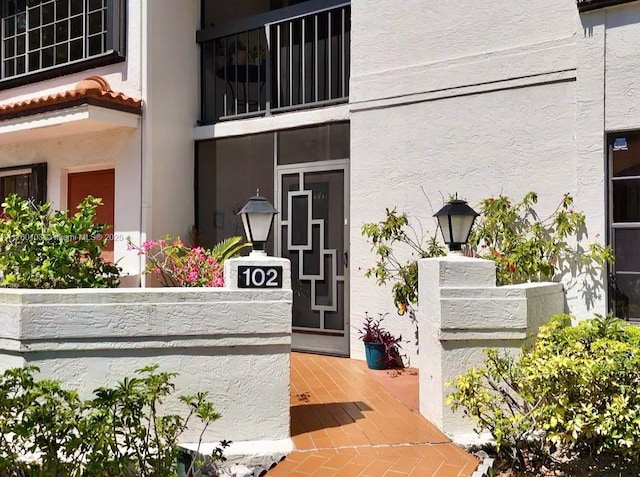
column 586, row 5
column 288, row 64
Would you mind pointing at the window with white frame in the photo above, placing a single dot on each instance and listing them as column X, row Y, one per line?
column 42, row 35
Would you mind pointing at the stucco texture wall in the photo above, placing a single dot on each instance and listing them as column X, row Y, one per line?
column 396, row 35
column 171, row 91
column 233, row 344
column 481, row 100
column 114, row 148
column 413, row 156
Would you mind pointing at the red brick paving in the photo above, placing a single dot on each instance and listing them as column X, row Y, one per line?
column 345, row 424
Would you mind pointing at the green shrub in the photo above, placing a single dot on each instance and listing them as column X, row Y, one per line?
column 395, row 230
column 40, row 248
column 46, row 430
column 528, row 248
column 524, row 246
column 575, row 392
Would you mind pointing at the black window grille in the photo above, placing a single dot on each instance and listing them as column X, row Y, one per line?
column 42, row 35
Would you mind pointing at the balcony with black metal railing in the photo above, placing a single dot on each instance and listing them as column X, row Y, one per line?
column 587, row 5
column 291, row 58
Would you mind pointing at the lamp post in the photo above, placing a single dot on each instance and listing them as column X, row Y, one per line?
column 456, row 219
column 257, row 219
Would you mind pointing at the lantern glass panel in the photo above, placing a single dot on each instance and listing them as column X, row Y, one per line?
column 443, row 220
column 260, row 226
column 461, row 226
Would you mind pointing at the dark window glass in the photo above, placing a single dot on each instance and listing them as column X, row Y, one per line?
column 9, row 26
column 9, row 50
column 626, row 155
column 76, row 49
column 95, row 23
column 34, row 17
column 29, row 182
column 76, row 6
column 62, row 9
column 627, row 249
column 76, row 27
column 34, row 60
column 48, row 35
column 47, row 57
column 9, row 67
column 626, row 200
column 95, row 45
column 20, row 44
column 318, row 143
column 20, row 65
column 48, row 12
column 62, row 31
column 629, row 294
column 34, row 39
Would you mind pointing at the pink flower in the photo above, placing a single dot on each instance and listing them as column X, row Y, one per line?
column 148, row 245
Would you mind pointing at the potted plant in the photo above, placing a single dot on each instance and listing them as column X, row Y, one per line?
column 380, row 346
column 237, row 52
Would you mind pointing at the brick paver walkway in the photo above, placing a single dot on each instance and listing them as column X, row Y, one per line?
column 344, row 424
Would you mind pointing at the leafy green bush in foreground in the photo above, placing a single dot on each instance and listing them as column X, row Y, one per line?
column 41, row 248
column 576, row 392
column 46, row 430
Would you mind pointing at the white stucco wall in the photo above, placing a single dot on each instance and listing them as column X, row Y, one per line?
column 483, row 100
column 170, row 87
column 114, row 148
column 463, row 313
column 233, row 344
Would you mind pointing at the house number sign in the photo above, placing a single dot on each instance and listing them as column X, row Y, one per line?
column 252, row 276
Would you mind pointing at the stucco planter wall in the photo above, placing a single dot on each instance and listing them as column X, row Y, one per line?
column 463, row 312
column 235, row 344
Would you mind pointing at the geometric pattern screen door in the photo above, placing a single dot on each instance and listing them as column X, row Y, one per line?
column 312, row 235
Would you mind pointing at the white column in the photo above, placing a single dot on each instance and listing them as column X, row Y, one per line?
column 462, row 313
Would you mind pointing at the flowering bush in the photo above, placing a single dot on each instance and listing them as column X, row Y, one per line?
column 177, row 265
column 523, row 246
column 526, row 247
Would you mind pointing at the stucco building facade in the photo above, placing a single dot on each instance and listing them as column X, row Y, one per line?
column 335, row 110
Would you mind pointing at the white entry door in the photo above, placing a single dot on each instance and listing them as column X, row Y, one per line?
column 313, row 233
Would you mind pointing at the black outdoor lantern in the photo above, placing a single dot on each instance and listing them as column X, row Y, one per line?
column 456, row 220
column 257, row 219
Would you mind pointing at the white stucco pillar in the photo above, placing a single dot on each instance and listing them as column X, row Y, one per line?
column 435, row 274
column 462, row 313
column 274, row 272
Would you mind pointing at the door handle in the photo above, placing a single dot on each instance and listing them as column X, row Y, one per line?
column 346, row 259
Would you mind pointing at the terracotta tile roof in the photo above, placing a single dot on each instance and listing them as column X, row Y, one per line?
column 93, row 90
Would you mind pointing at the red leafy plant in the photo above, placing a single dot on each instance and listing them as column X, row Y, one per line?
column 373, row 332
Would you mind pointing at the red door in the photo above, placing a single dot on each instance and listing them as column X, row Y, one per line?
column 98, row 184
